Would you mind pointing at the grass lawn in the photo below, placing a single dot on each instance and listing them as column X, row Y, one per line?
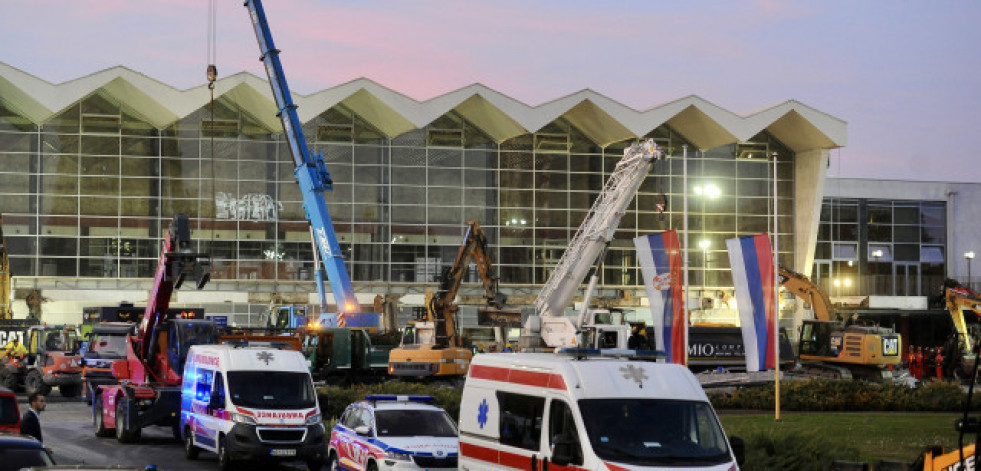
column 873, row 435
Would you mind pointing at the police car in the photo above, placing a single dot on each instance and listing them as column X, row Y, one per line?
column 394, row 433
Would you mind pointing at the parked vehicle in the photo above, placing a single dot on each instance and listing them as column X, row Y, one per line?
column 22, row 451
column 9, row 412
column 106, row 344
column 390, row 432
column 588, row 409
column 250, row 404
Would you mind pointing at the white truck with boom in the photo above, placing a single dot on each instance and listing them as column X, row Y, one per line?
column 550, row 328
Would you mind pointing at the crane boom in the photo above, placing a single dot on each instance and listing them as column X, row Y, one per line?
column 311, row 174
column 595, row 232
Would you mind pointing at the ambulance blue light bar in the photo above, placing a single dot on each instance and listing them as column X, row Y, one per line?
column 613, row 353
column 375, row 398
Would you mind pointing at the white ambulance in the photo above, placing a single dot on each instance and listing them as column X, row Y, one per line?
column 588, row 410
column 248, row 403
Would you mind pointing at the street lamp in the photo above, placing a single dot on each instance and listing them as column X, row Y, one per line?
column 969, row 256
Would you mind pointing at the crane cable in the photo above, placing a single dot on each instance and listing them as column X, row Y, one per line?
column 212, row 75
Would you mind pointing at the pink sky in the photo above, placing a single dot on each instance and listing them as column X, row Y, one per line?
column 904, row 75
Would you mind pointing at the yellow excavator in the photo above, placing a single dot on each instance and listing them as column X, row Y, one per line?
column 435, row 348
column 960, row 346
column 5, row 311
column 830, row 347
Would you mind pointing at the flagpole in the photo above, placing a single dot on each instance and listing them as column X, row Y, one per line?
column 776, row 294
column 684, row 251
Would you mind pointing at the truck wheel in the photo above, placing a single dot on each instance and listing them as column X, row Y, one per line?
column 100, row 425
column 69, row 390
column 8, row 379
column 123, row 433
column 190, row 451
column 332, row 462
column 34, row 382
column 224, row 461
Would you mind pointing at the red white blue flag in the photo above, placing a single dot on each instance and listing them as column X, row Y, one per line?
column 752, row 274
column 660, row 263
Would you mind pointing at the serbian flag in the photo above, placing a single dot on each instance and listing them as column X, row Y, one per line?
column 660, row 263
column 752, row 273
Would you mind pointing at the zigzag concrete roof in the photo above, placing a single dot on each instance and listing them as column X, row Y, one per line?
column 600, row 118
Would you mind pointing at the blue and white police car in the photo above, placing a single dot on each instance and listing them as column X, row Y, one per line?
column 394, row 433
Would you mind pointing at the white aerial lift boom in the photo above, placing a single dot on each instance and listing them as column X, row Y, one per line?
column 550, row 327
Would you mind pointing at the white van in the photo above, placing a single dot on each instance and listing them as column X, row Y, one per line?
column 588, row 411
column 250, row 404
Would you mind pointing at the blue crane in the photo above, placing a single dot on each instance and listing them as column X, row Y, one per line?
column 314, row 180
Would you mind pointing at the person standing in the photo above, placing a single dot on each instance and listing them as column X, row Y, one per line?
column 939, row 361
column 30, row 424
column 911, row 364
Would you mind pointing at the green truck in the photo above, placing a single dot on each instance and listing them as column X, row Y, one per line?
column 342, row 356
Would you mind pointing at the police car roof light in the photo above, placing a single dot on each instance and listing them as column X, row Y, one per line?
column 375, row 398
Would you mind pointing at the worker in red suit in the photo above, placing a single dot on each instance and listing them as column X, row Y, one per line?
column 919, row 363
column 911, row 362
column 939, row 361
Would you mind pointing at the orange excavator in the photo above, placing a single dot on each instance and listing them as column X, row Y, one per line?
column 830, row 347
column 437, row 348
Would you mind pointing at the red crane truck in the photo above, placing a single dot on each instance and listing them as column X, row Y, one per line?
column 149, row 389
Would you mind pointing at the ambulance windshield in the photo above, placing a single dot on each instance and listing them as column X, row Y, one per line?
column 271, row 390
column 414, row 422
column 654, row 432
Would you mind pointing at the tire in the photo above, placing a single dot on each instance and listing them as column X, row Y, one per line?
column 190, row 451
column 70, row 390
column 100, row 425
column 123, row 434
column 224, row 460
column 8, row 379
column 332, row 464
column 34, row 382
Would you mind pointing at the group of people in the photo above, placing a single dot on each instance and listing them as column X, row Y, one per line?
column 925, row 363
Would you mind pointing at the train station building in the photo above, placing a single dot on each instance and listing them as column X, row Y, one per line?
column 93, row 170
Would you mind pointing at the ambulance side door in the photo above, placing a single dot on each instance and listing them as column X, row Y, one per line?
column 563, row 444
column 521, row 432
column 204, row 427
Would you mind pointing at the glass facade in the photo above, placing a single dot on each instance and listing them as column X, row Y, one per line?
column 881, row 247
column 91, row 192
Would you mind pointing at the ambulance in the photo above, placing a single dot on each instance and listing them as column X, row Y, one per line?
column 599, row 410
column 248, row 403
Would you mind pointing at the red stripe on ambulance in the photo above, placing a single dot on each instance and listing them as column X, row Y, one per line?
column 525, row 377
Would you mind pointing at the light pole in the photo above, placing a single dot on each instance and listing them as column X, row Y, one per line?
column 969, row 256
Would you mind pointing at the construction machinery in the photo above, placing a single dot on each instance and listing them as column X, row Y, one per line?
column 5, row 311
column 964, row 458
column 550, row 328
column 52, row 358
column 960, row 359
column 314, row 180
column 149, row 379
column 831, row 347
column 343, row 356
column 436, row 347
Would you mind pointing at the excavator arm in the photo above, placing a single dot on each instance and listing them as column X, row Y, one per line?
column 960, row 299
column 441, row 307
column 803, row 288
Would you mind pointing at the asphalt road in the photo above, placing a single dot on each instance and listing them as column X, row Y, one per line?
column 68, row 432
